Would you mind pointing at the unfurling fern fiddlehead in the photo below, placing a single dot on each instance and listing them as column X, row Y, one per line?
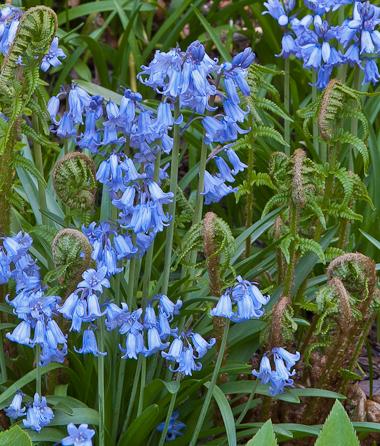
column 74, row 181
column 346, row 311
column 72, row 256
column 18, row 82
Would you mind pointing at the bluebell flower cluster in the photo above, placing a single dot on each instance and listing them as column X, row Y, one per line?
column 281, row 376
column 186, row 350
column 83, row 306
column 9, row 21
column 189, row 78
column 175, row 427
column 215, row 187
column 38, row 414
column 95, row 123
column 241, row 302
column 322, row 46
column 78, row 436
column 31, row 304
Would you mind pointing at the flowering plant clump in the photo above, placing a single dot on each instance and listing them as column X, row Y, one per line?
column 169, row 202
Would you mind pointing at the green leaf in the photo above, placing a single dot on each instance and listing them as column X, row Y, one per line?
column 264, row 437
column 374, row 241
column 321, row 393
column 214, row 37
column 337, row 430
column 227, row 415
column 15, row 436
column 141, row 427
column 26, row 379
column 171, row 386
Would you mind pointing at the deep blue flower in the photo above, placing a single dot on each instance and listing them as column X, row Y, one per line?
column 248, row 299
column 371, row 72
column 90, row 345
column 51, row 59
column 280, row 10
column 78, row 436
column 38, row 415
column 15, row 409
column 95, row 280
column 281, row 376
column 175, row 427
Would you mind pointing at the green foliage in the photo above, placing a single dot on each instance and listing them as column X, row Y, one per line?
column 264, row 437
column 337, row 429
column 15, row 436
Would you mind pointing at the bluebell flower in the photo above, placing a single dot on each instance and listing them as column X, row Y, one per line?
column 223, row 307
column 265, row 371
column 78, row 436
column 175, row 427
column 21, row 334
column 371, row 72
column 38, row 415
column 248, row 299
column 78, row 99
column 280, row 10
column 215, row 188
column 15, row 409
column 201, row 345
column 290, row 358
column 53, row 108
column 281, row 376
column 316, row 48
column 90, row 345
column 237, row 165
column 51, row 59
column 175, row 350
column 187, row 363
column 66, row 127
column 95, row 280
column 9, row 21
column 154, row 342
column 134, row 345
column 168, row 307
column 224, row 169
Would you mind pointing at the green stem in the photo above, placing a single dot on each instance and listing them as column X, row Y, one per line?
column 101, row 389
column 314, row 94
column 149, row 254
column 249, row 202
column 38, row 371
column 3, row 367
column 292, row 252
column 211, row 386
column 37, row 153
column 247, row 404
column 169, row 414
column 140, row 406
column 131, row 283
column 287, row 104
column 133, row 393
column 172, row 207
